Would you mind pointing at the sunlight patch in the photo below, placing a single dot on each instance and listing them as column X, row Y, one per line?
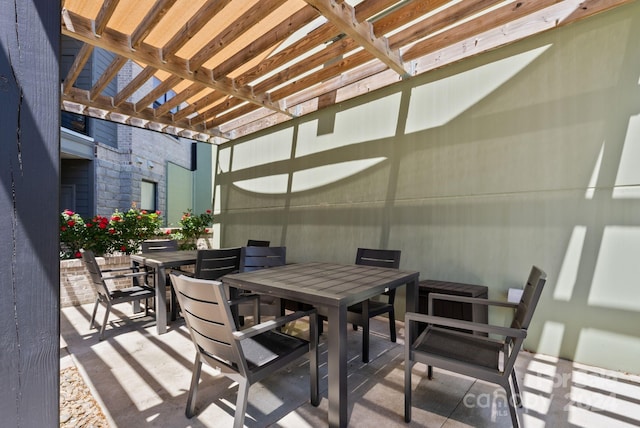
column 438, row 103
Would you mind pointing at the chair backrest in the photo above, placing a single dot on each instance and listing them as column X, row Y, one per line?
column 151, row 245
column 254, row 258
column 378, row 258
column 210, row 322
column 530, row 297
column 212, row 264
column 257, row 243
column 97, row 280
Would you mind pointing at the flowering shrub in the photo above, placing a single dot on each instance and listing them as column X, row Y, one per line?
column 123, row 232
column 192, row 227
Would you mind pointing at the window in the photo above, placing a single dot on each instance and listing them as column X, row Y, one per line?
column 148, row 195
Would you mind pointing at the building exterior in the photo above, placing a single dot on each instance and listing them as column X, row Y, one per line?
column 107, row 166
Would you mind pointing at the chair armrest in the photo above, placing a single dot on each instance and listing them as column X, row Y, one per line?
column 245, row 298
column 465, row 299
column 271, row 324
column 120, row 269
column 467, row 325
column 126, row 275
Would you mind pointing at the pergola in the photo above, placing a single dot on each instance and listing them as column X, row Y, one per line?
column 229, row 68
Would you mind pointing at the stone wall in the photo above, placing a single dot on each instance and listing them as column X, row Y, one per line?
column 75, row 283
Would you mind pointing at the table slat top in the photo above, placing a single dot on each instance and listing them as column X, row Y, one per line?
column 322, row 283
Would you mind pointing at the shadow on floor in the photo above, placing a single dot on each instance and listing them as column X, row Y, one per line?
column 142, row 379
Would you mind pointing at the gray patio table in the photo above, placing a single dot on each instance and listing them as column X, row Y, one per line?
column 161, row 261
column 331, row 287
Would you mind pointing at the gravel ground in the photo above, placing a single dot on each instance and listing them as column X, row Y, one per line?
column 78, row 408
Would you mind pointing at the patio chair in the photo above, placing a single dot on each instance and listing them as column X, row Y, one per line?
column 246, row 356
column 110, row 297
column 473, row 355
column 254, row 258
column 257, row 243
column 355, row 315
column 213, row 264
column 153, row 245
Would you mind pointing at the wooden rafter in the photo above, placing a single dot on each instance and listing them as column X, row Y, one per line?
column 132, row 86
column 156, row 13
column 112, row 40
column 232, row 67
column 343, row 16
column 111, row 71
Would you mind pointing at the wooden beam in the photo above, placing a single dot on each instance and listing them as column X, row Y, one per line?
column 200, row 104
column 320, row 35
column 435, row 23
column 339, row 67
column 105, row 14
column 494, row 19
column 111, row 71
column 156, row 92
column 326, row 33
column 189, row 92
column 156, row 13
column 333, row 52
column 276, row 35
column 142, row 77
column 234, row 30
column 102, row 107
column 117, row 43
column 342, row 15
column 76, row 68
column 406, row 14
column 199, row 19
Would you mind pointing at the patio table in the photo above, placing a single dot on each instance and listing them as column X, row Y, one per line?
column 332, row 287
column 161, row 261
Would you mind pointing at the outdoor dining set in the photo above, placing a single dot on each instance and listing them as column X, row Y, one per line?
column 235, row 302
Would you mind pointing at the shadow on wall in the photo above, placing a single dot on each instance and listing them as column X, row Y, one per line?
column 524, row 155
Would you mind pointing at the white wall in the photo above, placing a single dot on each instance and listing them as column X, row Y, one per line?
column 524, row 155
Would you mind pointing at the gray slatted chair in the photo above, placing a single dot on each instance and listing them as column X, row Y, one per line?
column 213, row 264
column 469, row 354
column 254, row 258
column 151, row 246
column 110, row 297
column 246, row 356
column 257, row 243
column 380, row 258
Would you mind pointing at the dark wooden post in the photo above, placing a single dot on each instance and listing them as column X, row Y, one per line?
column 29, row 187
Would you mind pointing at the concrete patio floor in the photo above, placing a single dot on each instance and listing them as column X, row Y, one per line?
column 142, row 379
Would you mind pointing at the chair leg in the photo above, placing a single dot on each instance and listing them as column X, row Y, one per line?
column 193, row 389
column 516, row 388
column 104, row 321
column 93, row 315
column 392, row 325
column 408, row 364
column 241, row 403
column 512, row 407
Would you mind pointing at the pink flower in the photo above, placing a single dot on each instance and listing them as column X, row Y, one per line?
column 69, row 212
column 78, row 254
column 208, row 211
column 123, row 248
column 70, row 223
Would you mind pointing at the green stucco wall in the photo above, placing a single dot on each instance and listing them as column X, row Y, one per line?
column 524, row 155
